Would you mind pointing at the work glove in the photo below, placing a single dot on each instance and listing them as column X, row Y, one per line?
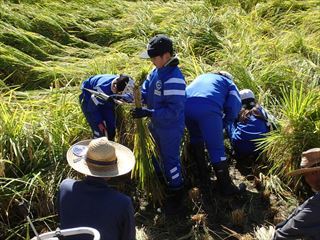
column 141, row 112
column 110, row 100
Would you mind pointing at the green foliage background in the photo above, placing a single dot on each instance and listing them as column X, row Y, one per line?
column 47, row 47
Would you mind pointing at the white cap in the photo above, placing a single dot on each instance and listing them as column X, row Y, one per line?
column 245, row 94
column 225, row 74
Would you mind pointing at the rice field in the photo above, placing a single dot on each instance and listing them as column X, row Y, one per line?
column 48, row 47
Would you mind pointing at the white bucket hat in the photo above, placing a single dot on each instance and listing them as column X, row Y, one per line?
column 246, row 94
column 100, row 158
column 225, row 74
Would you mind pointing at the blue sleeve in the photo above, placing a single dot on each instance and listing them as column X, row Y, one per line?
column 303, row 223
column 230, row 127
column 128, row 97
column 144, row 90
column 129, row 229
column 174, row 99
column 232, row 105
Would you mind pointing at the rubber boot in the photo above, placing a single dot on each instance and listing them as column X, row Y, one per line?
column 173, row 204
column 201, row 171
column 227, row 187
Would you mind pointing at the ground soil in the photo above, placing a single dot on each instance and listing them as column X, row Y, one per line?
column 212, row 216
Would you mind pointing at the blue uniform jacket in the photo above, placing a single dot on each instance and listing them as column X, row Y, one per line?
column 219, row 91
column 164, row 92
column 92, row 203
column 242, row 135
column 100, row 83
column 303, row 223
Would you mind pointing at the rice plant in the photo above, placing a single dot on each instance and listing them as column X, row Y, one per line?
column 39, row 127
column 145, row 150
column 49, row 47
column 298, row 131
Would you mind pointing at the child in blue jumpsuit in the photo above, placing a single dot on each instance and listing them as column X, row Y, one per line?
column 101, row 114
column 213, row 102
column 251, row 124
column 164, row 94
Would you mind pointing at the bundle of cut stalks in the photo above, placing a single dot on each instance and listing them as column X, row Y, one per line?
column 264, row 232
column 144, row 149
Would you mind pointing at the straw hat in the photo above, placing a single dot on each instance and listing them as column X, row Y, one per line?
column 100, row 158
column 310, row 162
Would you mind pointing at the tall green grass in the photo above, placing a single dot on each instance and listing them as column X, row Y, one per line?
column 299, row 112
column 37, row 128
column 49, row 47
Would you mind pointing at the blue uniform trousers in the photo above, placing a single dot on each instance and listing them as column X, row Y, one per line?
column 205, row 124
column 108, row 116
column 168, row 142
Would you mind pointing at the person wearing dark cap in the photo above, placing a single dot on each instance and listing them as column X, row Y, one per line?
column 213, row 102
column 91, row 202
column 100, row 114
column 253, row 123
column 304, row 222
column 163, row 92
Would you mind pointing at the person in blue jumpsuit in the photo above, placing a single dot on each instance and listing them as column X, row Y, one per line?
column 91, row 201
column 100, row 114
column 164, row 94
column 251, row 124
column 213, row 102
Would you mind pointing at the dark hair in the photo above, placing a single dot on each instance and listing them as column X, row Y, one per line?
column 245, row 113
column 121, row 82
column 248, row 103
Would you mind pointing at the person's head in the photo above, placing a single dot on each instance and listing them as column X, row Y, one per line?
column 247, row 99
column 159, row 50
column 310, row 168
column 120, row 83
column 100, row 158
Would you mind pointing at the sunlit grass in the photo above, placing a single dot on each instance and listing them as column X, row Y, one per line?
column 271, row 47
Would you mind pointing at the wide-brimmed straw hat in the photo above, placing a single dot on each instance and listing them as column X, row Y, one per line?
column 310, row 162
column 100, row 158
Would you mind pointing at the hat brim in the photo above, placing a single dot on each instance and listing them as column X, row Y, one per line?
column 303, row 170
column 144, row 55
column 125, row 161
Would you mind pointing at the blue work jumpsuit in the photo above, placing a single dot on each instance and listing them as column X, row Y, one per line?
column 164, row 92
column 95, row 110
column 243, row 135
column 213, row 102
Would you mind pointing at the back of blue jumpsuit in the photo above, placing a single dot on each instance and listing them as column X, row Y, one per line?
column 213, row 102
column 243, row 135
column 95, row 110
column 164, row 92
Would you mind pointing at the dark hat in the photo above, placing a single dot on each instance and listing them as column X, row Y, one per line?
column 157, row 46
